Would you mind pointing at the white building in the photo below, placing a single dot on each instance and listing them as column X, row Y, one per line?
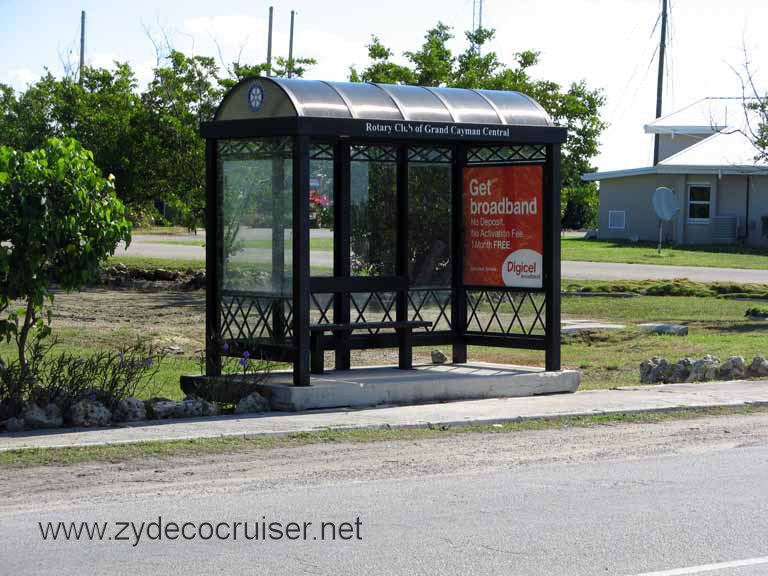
column 706, row 158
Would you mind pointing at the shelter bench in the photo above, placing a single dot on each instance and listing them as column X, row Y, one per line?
column 402, row 327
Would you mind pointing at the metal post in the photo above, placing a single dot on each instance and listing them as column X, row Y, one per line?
column 82, row 47
column 405, row 352
column 278, row 248
column 552, row 256
column 341, row 253
column 269, row 43
column 661, row 230
column 458, row 298
column 660, row 80
column 213, row 262
column 301, row 260
column 290, row 48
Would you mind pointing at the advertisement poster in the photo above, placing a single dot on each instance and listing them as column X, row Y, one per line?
column 503, row 242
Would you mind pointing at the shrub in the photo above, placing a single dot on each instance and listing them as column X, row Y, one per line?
column 65, row 378
column 60, row 218
column 106, row 376
column 757, row 312
column 579, row 207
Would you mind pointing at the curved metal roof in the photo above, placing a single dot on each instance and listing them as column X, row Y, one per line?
column 373, row 101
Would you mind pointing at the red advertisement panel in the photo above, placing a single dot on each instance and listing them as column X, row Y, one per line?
column 503, row 242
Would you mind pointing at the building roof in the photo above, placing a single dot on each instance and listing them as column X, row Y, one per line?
column 724, row 149
column 373, row 101
column 705, row 116
column 727, row 152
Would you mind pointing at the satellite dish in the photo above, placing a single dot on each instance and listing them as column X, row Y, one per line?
column 665, row 203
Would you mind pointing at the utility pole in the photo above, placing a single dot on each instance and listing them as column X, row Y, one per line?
column 269, row 44
column 660, row 81
column 82, row 47
column 477, row 17
column 290, row 48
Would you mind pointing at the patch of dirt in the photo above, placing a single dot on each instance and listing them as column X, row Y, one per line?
column 170, row 316
column 167, row 315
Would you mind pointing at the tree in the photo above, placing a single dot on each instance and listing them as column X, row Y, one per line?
column 61, row 218
column 755, row 102
column 576, row 107
column 98, row 111
column 169, row 153
column 9, row 123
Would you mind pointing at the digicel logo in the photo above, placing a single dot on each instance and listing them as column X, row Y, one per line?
column 522, row 268
column 518, row 268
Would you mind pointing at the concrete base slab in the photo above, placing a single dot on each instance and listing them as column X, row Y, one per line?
column 661, row 328
column 372, row 386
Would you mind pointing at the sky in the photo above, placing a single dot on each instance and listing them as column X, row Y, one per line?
column 611, row 44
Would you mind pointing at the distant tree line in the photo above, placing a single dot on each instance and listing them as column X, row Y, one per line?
column 148, row 137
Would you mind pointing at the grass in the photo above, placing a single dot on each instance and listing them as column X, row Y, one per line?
column 611, row 358
column 318, row 244
column 180, row 242
column 213, row 446
column 679, row 287
column 180, row 264
column 187, row 264
column 606, row 359
column 579, row 249
column 84, row 342
column 161, row 230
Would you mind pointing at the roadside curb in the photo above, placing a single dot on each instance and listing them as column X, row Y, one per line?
column 590, row 403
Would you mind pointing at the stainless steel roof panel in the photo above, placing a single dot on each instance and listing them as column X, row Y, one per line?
column 314, row 98
column 418, row 103
column 368, row 101
column 517, row 108
column 468, row 106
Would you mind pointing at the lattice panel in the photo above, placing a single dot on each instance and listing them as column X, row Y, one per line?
column 506, row 154
column 253, row 149
column 506, row 312
column 373, row 307
column 321, row 308
column 321, row 151
column 251, row 317
column 430, row 154
column 373, row 153
column 432, row 305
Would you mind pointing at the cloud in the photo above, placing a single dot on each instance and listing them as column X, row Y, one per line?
column 20, row 78
column 244, row 37
column 103, row 60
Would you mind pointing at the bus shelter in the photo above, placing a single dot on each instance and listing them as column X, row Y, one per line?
column 345, row 216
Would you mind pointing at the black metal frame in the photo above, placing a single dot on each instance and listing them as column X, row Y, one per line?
column 341, row 134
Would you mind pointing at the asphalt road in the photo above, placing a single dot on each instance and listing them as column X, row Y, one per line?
column 148, row 246
column 672, row 498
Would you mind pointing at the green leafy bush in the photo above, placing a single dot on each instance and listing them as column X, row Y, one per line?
column 60, row 219
column 579, row 207
column 757, row 313
column 64, row 378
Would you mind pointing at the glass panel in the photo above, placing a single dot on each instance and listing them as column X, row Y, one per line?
column 429, row 223
column 321, row 210
column 699, row 193
column 698, row 211
column 373, row 212
column 256, row 189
